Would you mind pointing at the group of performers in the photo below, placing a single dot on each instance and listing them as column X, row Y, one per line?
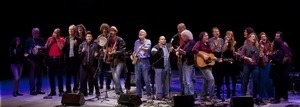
column 87, row 61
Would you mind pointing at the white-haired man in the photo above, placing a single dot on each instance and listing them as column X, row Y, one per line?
column 188, row 70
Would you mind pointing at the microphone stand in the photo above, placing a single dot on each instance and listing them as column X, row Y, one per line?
column 151, row 66
column 98, row 71
column 259, row 100
column 152, row 75
column 47, row 96
column 103, row 70
column 170, row 70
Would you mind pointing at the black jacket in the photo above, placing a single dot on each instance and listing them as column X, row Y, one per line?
column 189, row 56
column 158, row 56
column 88, row 57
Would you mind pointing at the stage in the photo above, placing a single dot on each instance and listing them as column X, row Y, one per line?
column 7, row 100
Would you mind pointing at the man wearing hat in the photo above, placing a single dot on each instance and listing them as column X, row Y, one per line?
column 116, row 57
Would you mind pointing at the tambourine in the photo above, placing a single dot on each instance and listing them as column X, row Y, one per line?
column 102, row 41
column 35, row 50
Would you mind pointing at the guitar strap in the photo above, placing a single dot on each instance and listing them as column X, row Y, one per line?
column 186, row 45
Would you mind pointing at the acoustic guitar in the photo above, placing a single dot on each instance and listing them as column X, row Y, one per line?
column 134, row 56
column 109, row 57
column 200, row 62
column 179, row 56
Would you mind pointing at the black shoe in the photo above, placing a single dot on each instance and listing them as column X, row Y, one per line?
column 108, row 87
column 60, row 93
column 101, row 86
column 15, row 94
column 97, row 96
column 256, row 101
column 33, row 93
column 75, row 91
column 228, row 94
column 182, row 93
column 119, row 93
column 275, row 101
column 52, row 94
column 68, row 92
column 195, row 95
column 19, row 94
column 91, row 93
column 40, row 92
column 85, row 94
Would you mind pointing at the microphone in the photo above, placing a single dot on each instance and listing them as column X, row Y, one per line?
column 108, row 36
column 171, row 41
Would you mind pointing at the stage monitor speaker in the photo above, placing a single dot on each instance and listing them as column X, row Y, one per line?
column 241, row 101
column 183, row 101
column 131, row 100
column 72, row 99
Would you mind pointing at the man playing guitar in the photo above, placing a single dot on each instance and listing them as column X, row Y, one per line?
column 177, row 42
column 116, row 57
column 142, row 48
column 209, row 81
column 188, row 70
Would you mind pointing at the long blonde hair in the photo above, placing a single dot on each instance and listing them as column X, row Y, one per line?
column 231, row 40
column 256, row 40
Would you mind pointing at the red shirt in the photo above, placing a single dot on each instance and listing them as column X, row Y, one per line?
column 201, row 46
column 54, row 50
column 113, row 41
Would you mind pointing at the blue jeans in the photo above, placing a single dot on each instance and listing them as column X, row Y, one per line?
column 266, row 87
column 188, row 75
column 142, row 69
column 209, row 82
column 17, row 70
column 162, row 82
column 116, row 72
column 247, row 71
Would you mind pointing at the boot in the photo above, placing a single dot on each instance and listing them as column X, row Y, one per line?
column 233, row 91
column 101, row 86
column 19, row 94
column 15, row 94
column 228, row 94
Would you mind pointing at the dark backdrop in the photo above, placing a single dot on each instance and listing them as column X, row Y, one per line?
column 156, row 23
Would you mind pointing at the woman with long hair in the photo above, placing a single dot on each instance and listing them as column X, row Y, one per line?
column 250, row 54
column 16, row 63
column 266, row 90
column 230, row 70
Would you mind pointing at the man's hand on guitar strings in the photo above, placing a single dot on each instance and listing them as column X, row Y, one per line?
column 221, row 60
column 83, row 49
column 96, row 53
column 171, row 49
column 181, row 51
column 104, row 50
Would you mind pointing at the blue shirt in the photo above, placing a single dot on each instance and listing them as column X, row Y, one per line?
column 142, row 53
